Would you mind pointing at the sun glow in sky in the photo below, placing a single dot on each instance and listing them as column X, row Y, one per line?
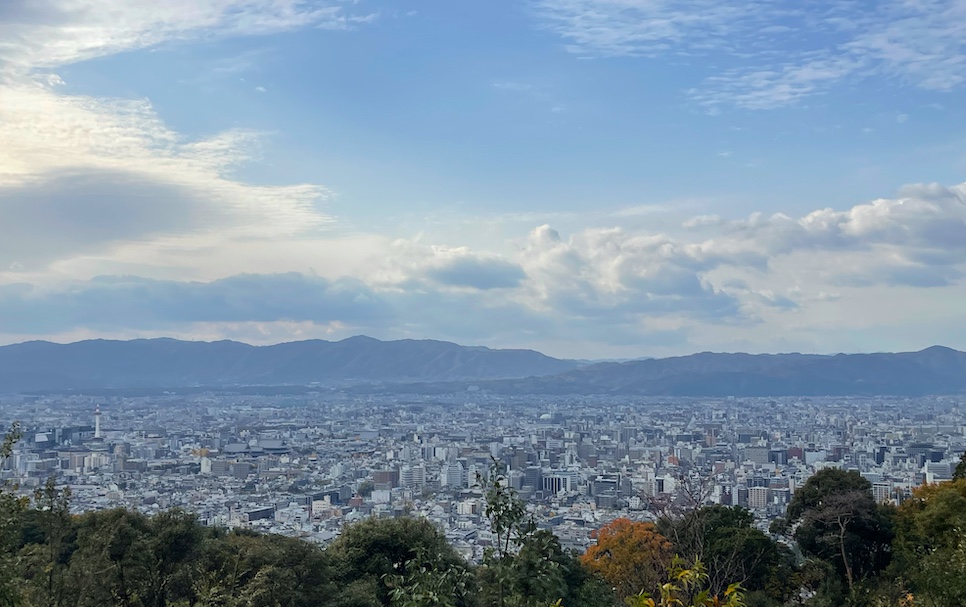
column 590, row 178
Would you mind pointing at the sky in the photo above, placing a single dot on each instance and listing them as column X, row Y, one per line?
column 589, row 178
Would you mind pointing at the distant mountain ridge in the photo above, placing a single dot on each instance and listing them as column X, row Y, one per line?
column 935, row 370
column 170, row 363
column 410, row 366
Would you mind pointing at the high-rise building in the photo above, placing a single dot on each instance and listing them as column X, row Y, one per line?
column 533, row 477
column 451, row 475
column 758, row 498
column 412, row 477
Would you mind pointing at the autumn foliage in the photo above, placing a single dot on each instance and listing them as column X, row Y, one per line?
column 631, row 556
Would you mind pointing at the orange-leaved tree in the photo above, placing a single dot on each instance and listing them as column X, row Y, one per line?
column 632, row 557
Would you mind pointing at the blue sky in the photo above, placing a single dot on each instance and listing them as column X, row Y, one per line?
column 592, row 178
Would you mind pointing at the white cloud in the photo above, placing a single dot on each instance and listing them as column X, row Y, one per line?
column 81, row 174
column 51, row 33
column 925, row 220
column 109, row 170
column 411, row 264
column 701, row 221
column 728, row 284
column 641, row 210
column 611, row 273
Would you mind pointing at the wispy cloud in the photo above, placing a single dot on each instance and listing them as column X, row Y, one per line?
column 773, row 86
column 51, row 33
column 510, row 85
column 614, row 28
column 779, row 52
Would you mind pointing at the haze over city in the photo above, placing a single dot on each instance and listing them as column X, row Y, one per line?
column 589, row 178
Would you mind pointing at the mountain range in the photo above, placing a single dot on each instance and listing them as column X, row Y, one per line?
column 170, row 363
column 408, row 366
column 935, row 370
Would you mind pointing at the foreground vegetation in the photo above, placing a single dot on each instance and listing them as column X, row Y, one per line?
column 848, row 551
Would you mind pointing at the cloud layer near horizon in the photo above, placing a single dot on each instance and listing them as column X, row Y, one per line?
column 608, row 286
column 112, row 223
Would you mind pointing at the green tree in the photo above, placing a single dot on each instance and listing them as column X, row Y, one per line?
column 174, row 542
column 111, row 565
column 584, row 588
column 840, row 523
column 960, row 472
column 523, row 568
column 820, row 485
column 422, row 585
column 930, row 544
column 687, row 587
column 372, row 551
column 44, row 563
column 12, row 508
column 725, row 541
column 537, row 571
column 243, row 568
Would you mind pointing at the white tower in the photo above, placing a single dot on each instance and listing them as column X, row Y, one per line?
column 97, row 421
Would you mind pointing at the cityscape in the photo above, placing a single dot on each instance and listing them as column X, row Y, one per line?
column 306, row 465
column 505, row 303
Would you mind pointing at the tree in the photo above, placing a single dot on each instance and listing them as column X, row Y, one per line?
column 960, row 472
column 584, row 587
column 377, row 551
column 834, row 516
column 840, row 523
column 12, row 508
column 422, row 585
column 525, row 566
column 536, row 574
column 688, row 588
column 930, row 544
column 725, row 541
column 174, row 540
column 631, row 556
column 45, row 563
column 245, row 569
column 111, row 565
column 822, row 484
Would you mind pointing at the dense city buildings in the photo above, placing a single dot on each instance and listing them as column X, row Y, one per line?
column 307, row 464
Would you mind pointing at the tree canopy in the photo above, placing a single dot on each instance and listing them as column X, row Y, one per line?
column 930, row 544
column 631, row 556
